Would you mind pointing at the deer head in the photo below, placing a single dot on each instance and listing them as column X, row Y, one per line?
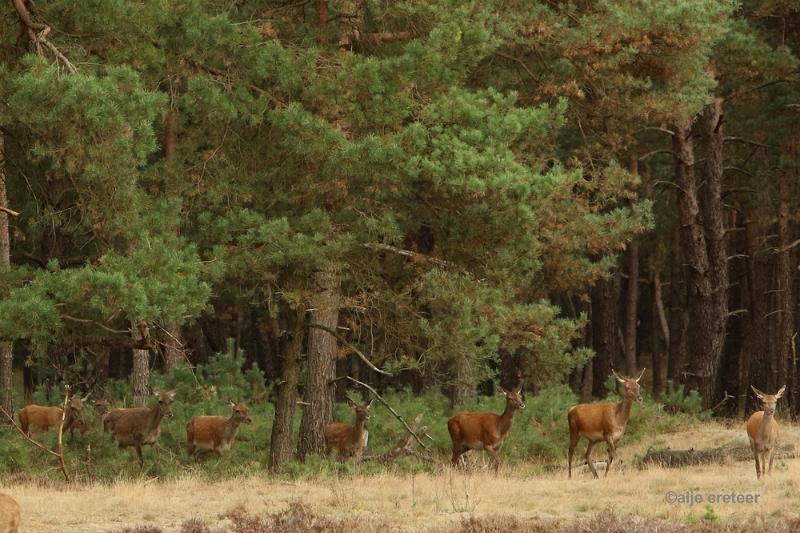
column 362, row 411
column 240, row 412
column 164, row 405
column 630, row 389
column 514, row 399
column 769, row 400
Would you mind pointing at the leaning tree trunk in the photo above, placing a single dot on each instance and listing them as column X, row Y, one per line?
column 281, row 440
column 6, row 353
column 141, row 367
column 703, row 245
column 321, row 369
column 632, row 297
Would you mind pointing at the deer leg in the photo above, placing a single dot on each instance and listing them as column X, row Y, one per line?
column 573, row 443
column 589, row 458
column 495, row 453
column 612, row 453
column 457, row 451
column 139, row 453
column 771, row 455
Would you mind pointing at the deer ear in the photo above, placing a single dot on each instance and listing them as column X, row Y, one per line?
column 640, row 375
column 619, row 378
column 170, row 394
column 232, row 403
column 369, row 403
column 759, row 394
column 85, row 398
column 504, row 391
column 780, row 392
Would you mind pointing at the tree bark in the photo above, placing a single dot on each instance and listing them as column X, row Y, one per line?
column 140, row 374
column 6, row 348
column 753, row 338
column 173, row 344
column 604, row 333
column 321, row 369
column 678, row 316
column 281, row 440
column 703, row 243
column 659, row 349
column 631, row 308
column 785, row 275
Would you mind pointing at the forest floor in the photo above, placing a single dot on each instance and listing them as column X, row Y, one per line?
column 445, row 501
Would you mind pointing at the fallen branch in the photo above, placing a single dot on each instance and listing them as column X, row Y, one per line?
column 406, row 253
column 389, row 407
column 60, row 448
column 8, row 211
column 680, row 458
column 350, row 346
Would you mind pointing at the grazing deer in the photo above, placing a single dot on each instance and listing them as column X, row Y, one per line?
column 484, row 431
column 34, row 419
column 349, row 439
column 762, row 430
column 138, row 426
column 215, row 433
column 602, row 421
column 10, row 512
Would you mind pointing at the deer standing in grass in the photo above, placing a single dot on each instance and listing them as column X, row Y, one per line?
column 348, row 439
column 602, row 422
column 215, row 433
column 138, row 426
column 763, row 430
column 34, row 419
column 484, row 431
column 10, row 512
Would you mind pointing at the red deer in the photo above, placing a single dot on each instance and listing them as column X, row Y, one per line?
column 215, row 433
column 34, row 419
column 10, row 512
column 763, row 430
column 602, row 421
column 484, row 431
column 138, row 426
column 349, row 439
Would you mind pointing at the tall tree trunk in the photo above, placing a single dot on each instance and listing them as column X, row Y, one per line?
column 141, row 368
column 785, row 273
column 753, row 339
column 678, row 315
column 703, row 240
column 321, row 370
column 659, row 349
column 604, row 332
column 173, row 344
column 281, row 440
column 6, row 348
column 632, row 296
column 631, row 307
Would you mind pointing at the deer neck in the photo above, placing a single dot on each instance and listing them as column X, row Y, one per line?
column 358, row 429
column 623, row 411
column 765, row 431
column 506, row 418
column 232, row 427
column 155, row 417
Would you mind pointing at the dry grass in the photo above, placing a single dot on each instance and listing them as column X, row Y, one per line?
column 430, row 502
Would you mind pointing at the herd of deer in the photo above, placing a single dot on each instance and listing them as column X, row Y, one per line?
column 596, row 422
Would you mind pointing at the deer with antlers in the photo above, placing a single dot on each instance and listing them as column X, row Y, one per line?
column 602, row 422
column 349, row 439
column 484, row 431
column 763, row 430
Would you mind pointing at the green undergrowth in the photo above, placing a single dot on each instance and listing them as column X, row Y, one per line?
column 538, row 437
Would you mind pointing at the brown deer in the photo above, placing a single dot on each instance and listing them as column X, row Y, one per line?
column 763, row 430
column 34, row 419
column 602, row 422
column 215, row 433
column 138, row 426
column 484, row 431
column 10, row 514
column 349, row 439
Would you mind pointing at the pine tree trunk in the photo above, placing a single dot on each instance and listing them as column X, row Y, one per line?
column 281, row 440
column 703, row 244
column 173, row 344
column 463, row 388
column 6, row 348
column 785, row 274
column 659, row 349
column 604, row 336
column 678, row 315
column 141, row 370
column 321, row 369
column 753, row 337
column 631, row 308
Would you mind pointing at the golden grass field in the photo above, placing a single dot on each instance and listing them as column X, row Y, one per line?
column 425, row 502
